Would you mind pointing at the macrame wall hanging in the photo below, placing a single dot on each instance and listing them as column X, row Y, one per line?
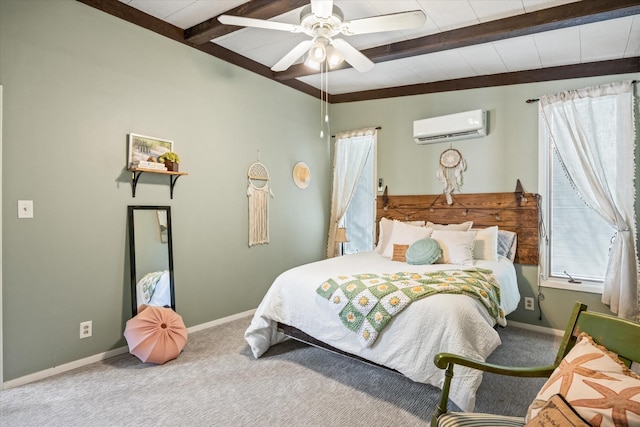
column 258, row 193
column 450, row 172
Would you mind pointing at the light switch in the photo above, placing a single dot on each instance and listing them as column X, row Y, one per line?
column 25, row 208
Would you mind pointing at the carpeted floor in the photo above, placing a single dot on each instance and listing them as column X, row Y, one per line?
column 217, row 382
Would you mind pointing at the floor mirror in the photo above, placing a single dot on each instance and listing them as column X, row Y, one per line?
column 151, row 257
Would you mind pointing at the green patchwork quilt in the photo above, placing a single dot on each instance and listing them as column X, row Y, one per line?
column 366, row 303
column 148, row 284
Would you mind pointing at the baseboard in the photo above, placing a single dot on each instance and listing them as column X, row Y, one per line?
column 536, row 328
column 221, row 321
column 40, row 375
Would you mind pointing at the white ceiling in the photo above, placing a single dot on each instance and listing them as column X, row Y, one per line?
column 606, row 40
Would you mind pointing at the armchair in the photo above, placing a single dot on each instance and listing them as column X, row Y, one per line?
column 610, row 335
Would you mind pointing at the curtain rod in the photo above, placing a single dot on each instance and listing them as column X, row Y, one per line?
column 377, row 127
column 530, row 100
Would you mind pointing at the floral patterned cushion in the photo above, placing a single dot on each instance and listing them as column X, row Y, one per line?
column 597, row 385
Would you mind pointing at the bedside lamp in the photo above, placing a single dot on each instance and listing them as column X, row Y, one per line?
column 341, row 237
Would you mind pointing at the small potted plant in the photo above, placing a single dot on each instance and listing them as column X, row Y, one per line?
column 170, row 160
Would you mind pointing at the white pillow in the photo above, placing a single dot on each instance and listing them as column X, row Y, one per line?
column 404, row 234
column 457, row 246
column 385, row 232
column 486, row 244
column 464, row 226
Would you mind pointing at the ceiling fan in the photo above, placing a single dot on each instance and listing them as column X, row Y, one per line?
column 322, row 20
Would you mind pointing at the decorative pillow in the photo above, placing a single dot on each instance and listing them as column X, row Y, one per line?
column 404, row 234
column 424, row 251
column 557, row 412
column 457, row 246
column 399, row 252
column 597, row 385
column 486, row 244
column 507, row 243
column 384, row 232
column 464, row 226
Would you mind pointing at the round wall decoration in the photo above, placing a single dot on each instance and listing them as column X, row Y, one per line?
column 450, row 171
column 450, row 158
column 301, row 175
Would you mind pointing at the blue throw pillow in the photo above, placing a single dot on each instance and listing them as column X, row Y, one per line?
column 423, row 251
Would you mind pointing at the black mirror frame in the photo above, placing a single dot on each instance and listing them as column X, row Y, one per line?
column 132, row 254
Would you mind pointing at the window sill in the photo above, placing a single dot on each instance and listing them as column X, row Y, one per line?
column 585, row 286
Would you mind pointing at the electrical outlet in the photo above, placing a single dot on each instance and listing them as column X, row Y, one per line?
column 25, row 208
column 86, row 329
column 528, row 303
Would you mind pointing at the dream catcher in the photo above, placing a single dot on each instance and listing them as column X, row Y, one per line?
column 258, row 193
column 450, row 171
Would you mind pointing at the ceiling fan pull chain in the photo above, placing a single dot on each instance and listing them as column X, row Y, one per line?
column 326, row 93
column 321, row 103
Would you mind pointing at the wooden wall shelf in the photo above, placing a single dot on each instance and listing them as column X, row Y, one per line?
column 136, row 172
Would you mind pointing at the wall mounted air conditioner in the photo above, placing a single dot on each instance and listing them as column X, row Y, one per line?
column 470, row 124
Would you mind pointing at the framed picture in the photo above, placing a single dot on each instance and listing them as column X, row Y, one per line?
column 146, row 148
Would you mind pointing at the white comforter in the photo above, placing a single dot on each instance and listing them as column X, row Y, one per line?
column 440, row 323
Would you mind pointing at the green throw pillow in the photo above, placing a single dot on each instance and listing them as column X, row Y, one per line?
column 423, row 251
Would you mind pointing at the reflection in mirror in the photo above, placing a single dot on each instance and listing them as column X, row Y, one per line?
column 151, row 257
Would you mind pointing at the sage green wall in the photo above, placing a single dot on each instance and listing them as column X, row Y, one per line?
column 76, row 82
column 494, row 163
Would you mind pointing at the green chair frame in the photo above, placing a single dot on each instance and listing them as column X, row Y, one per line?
column 618, row 335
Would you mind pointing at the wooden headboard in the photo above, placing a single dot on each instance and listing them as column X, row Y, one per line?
column 516, row 211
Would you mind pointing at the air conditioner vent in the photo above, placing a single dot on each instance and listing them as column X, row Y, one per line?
column 470, row 124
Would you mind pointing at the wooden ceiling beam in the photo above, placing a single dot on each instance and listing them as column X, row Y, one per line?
column 568, row 15
column 258, row 9
column 591, row 69
column 135, row 16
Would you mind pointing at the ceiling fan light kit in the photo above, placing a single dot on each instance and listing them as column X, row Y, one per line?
column 318, row 51
column 321, row 51
column 334, row 57
column 322, row 21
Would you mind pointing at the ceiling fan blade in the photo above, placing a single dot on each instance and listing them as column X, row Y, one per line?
column 258, row 23
column 392, row 22
column 352, row 55
column 322, row 8
column 293, row 54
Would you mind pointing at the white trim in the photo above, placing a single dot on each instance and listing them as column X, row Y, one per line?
column 585, row 286
column 221, row 321
column 36, row 376
column 536, row 328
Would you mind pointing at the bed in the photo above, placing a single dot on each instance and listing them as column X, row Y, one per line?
column 442, row 322
column 154, row 289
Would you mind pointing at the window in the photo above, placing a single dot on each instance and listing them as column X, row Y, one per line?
column 352, row 194
column 359, row 220
column 578, row 239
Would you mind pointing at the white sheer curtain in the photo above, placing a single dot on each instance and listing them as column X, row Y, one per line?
column 589, row 129
column 351, row 152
